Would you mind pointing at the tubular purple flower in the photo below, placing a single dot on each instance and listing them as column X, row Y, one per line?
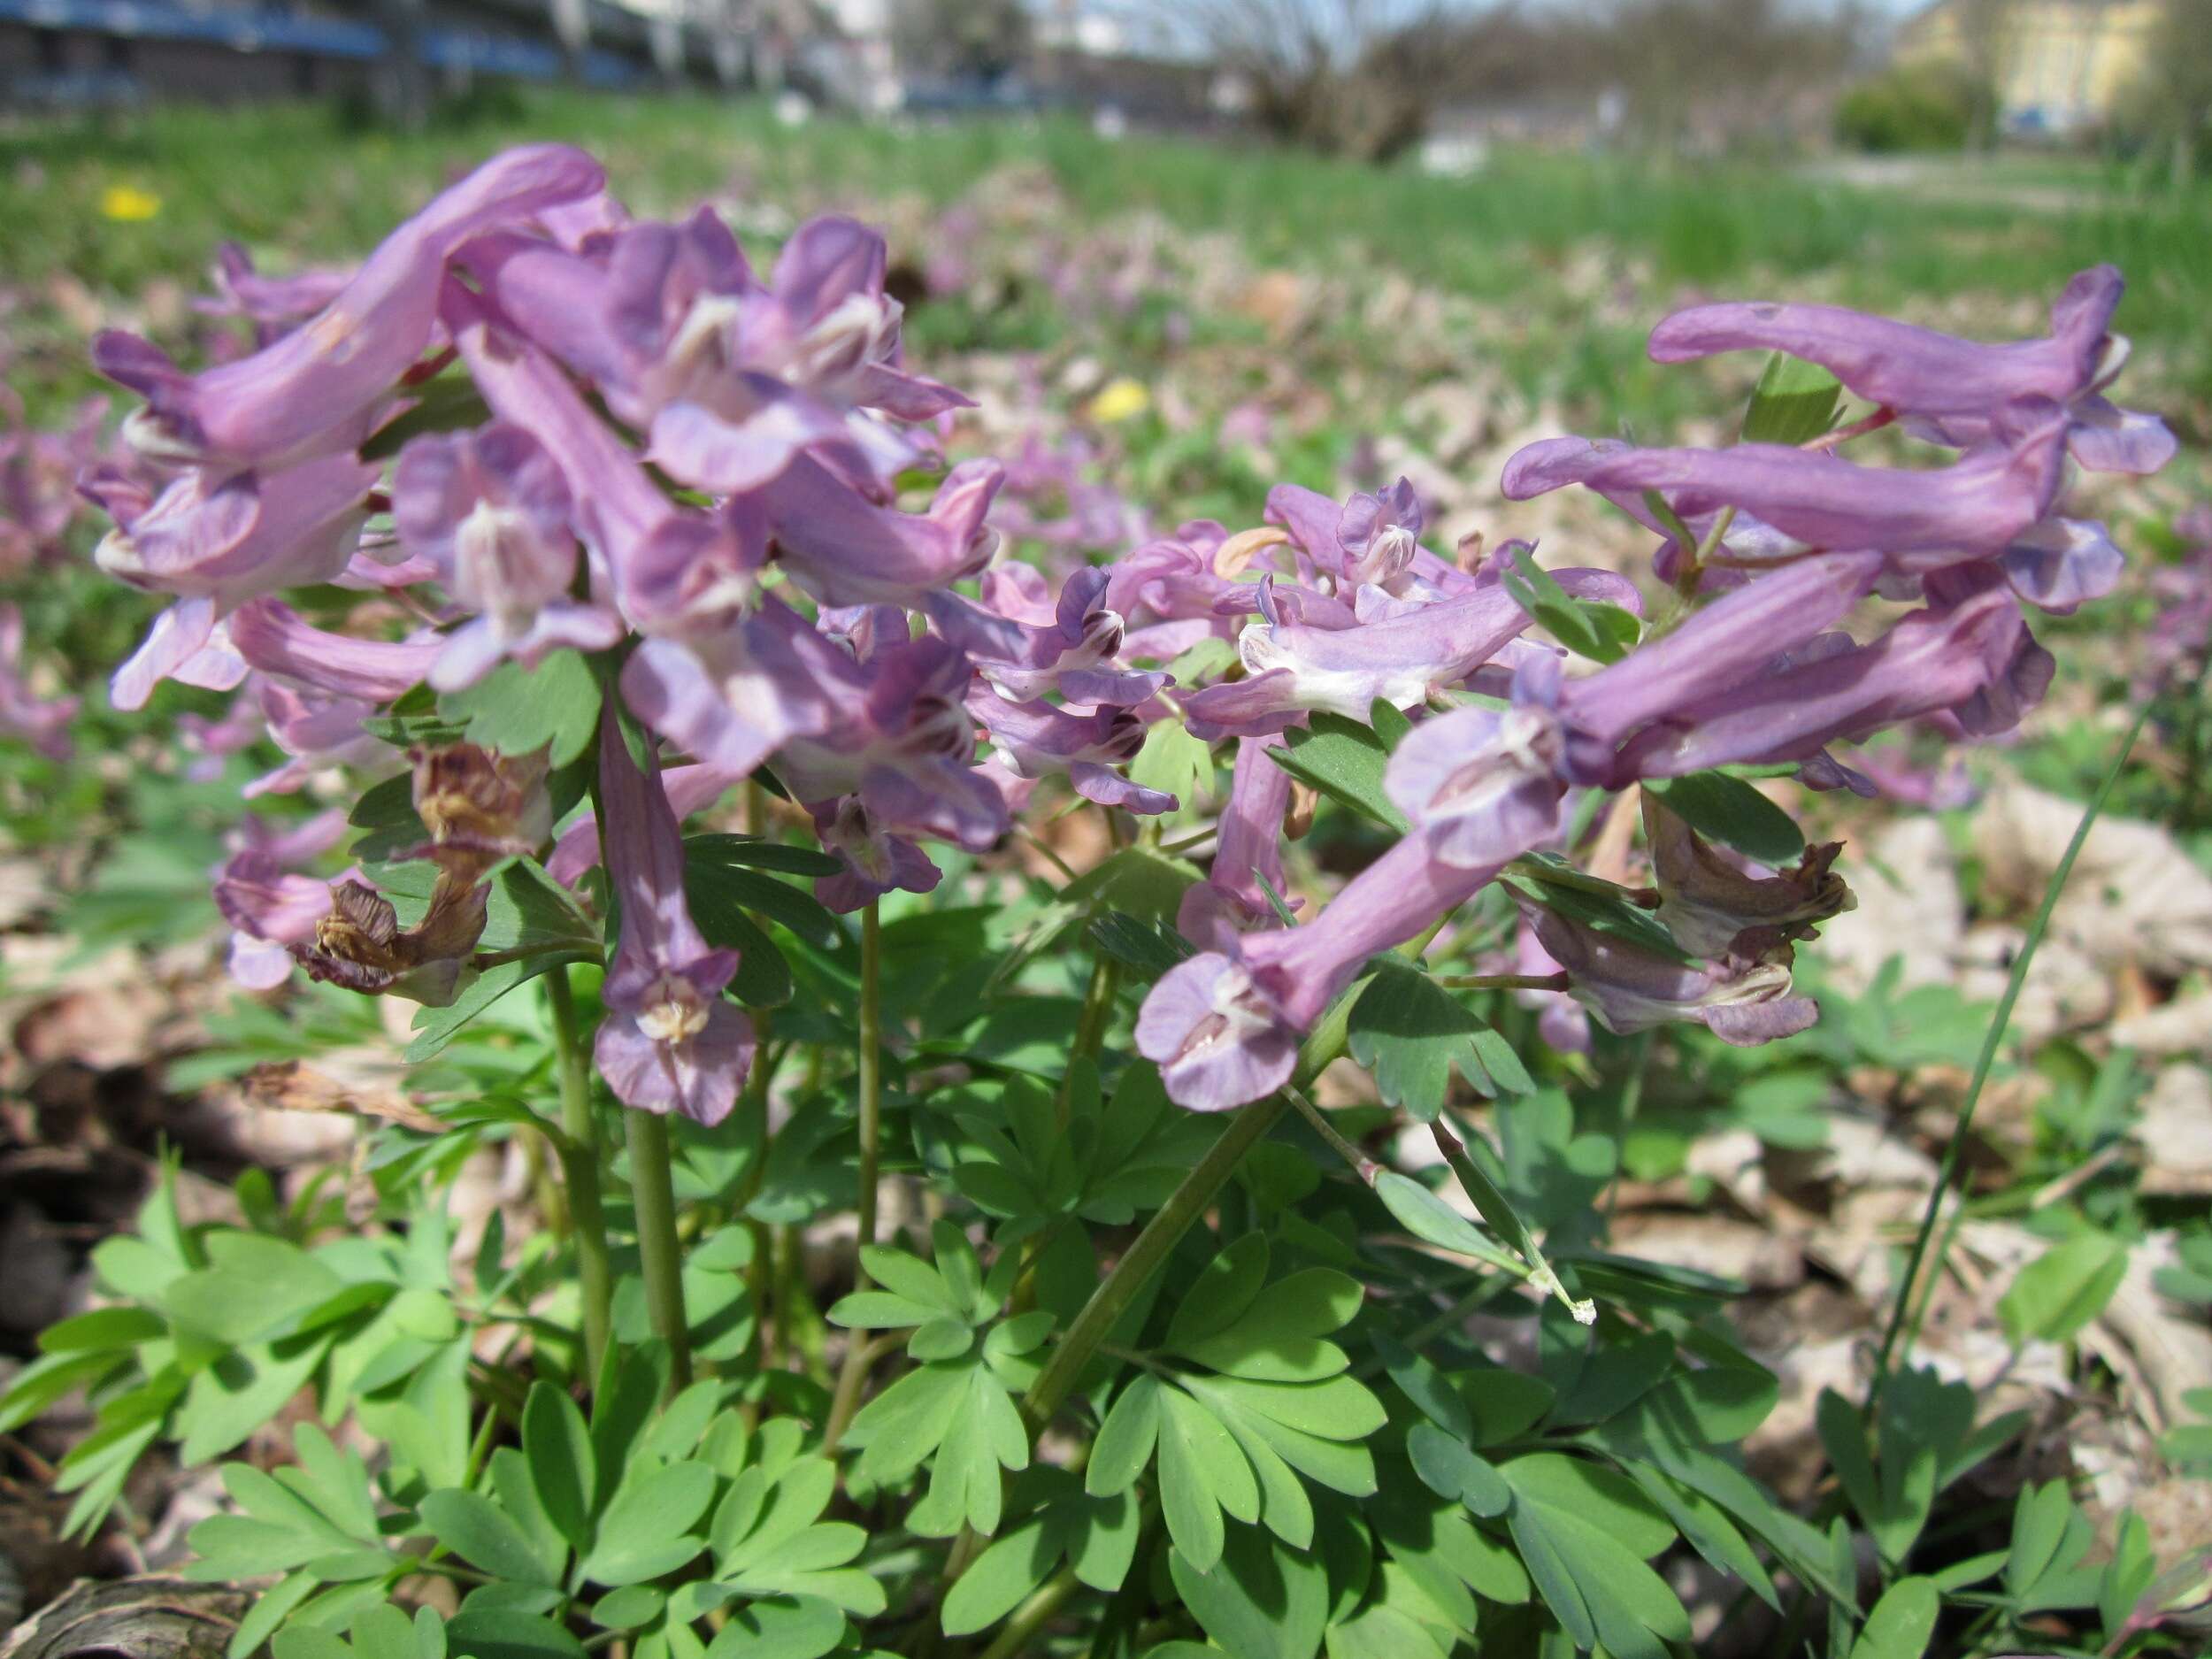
column 845, row 550
column 216, row 543
column 1224, row 1029
column 1073, row 654
column 316, row 729
column 1726, row 642
column 1929, row 660
column 1035, row 739
column 316, row 390
column 1249, row 843
column 25, row 717
column 1484, row 784
column 689, row 789
column 490, row 510
column 1973, row 508
column 272, row 637
column 273, row 304
column 1294, row 667
column 670, row 1042
column 270, row 907
column 1379, row 535
column 1743, row 1002
column 1953, row 385
column 876, row 860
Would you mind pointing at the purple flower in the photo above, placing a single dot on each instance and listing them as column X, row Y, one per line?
column 669, row 569
column 270, row 906
column 269, row 635
column 1975, row 658
column 217, row 543
column 273, row 304
column 1974, row 508
column 317, row 390
column 845, row 550
column 1292, row 667
column 25, row 717
column 1380, row 536
column 669, row 1041
column 489, row 510
column 1371, row 539
column 731, row 380
column 1035, row 739
column 892, row 730
column 1224, row 1028
column 1248, row 848
column 1950, row 387
column 1071, row 655
column 1728, row 643
column 1484, row 784
column 689, row 789
column 1713, row 909
column 1745, row 1002
column 317, row 729
column 876, row 860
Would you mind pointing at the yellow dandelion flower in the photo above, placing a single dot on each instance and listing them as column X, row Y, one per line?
column 128, row 202
column 1123, row 399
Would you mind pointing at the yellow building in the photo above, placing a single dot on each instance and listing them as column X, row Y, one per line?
column 2059, row 65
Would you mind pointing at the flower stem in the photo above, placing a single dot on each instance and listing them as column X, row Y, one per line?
column 653, row 1191
column 1033, row 1614
column 859, row 1352
column 871, row 1066
column 580, row 1171
column 1073, row 1355
column 1504, row 982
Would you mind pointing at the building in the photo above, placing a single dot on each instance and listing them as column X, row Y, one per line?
column 2060, row 67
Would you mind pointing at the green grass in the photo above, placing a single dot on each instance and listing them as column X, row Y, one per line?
column 296, row 179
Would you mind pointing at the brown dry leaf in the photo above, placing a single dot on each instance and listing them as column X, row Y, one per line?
column 292, row 1087
column 2134, row 894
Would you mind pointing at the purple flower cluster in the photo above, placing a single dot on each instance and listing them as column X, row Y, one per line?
column 696, row 470
column 1789, row 544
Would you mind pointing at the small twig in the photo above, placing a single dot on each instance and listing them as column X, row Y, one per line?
column 1504, row 982
column 1361, row 1166
column 1874, row 422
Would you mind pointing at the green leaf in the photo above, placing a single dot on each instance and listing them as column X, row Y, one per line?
column 1224, row 1289
column 1344, row 760
column 102, row 1328
column 1451, row 1471
column 804, row 1628
column 484, row 1535
column 1794, row 402
column 1260, row 1600
column 1143, row 883
column 1277, row 1336
column 1202, row 1472
column 1428, row 1217
column 1901, row 1621
column 1582, row 1533
column 1610, row 913
column 1603, row 633
column 714, row 884
column 996, row 1581
column 1147, row 948
column 1408, row 1031
column 435, row 1027
column 2054, row 1296
column 1126, row 1439
column 764, row 855
column 1174, row 762
column 1732, row 812
column 645, row 1532
column 626, row 1608
column 557, row 1446
column 517, row 710
column 448, row 402
column 491, row 1633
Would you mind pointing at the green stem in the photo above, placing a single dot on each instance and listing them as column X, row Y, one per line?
column 1504, row 982
column 1497, row 1212
column 859, row 1352
column 1905, row 1317
column 579, row 1152
column 1090, row 1031
column 1033, row 1614
column 653, row 1192
column 871, row 1066
column 1073, row 1355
